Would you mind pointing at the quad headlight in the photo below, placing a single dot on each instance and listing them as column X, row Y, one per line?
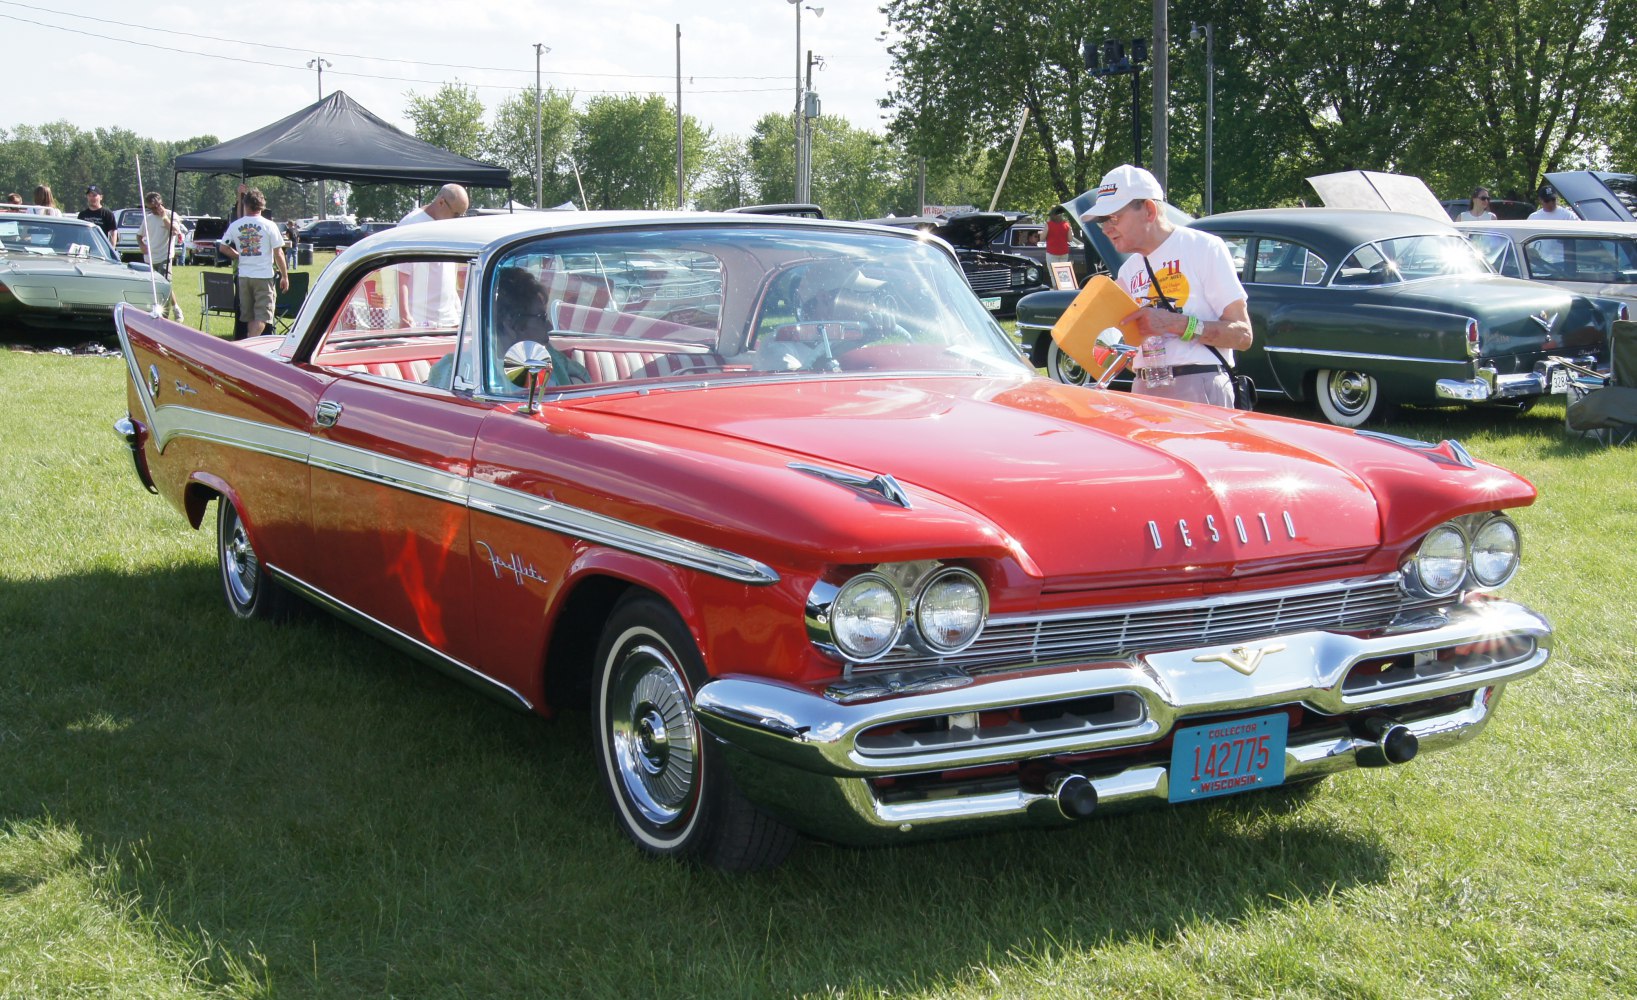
column 1478, row 551
column 926, row 605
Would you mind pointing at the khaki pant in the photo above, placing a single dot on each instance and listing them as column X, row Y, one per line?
column 256, row 298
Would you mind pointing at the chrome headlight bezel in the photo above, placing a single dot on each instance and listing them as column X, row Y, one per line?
column 922, row 636
column 910, row 583
column 1489, row 580
column 1427, row 572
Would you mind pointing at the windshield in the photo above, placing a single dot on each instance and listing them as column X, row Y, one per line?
column 43, row 236
column 737, row 301
column 130, row 218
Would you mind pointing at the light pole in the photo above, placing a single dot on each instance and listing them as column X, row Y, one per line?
column 539, row 50
column 796, row 120
column 320, row 63
column 1210, row 102
column 809, row 111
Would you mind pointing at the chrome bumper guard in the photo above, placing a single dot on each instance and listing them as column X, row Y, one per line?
column 813, row 761
column 125, row 427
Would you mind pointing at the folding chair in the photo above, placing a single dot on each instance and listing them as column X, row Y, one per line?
column 217, row 295
column 1604, row 407
column 289, row 302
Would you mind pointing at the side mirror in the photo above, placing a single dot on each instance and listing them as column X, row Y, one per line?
column 528, row 363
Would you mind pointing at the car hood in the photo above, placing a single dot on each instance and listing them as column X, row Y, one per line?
column 108, row 282
column 1083, row 487
column 974, row 230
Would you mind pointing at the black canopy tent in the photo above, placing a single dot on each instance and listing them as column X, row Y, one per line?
column 339, row 139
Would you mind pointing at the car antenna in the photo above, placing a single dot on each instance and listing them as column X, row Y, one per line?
column 153, row 281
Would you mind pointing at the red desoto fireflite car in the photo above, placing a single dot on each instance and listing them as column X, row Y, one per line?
column 780, row 503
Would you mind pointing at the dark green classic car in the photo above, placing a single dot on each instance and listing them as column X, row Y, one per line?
column 1358, row 310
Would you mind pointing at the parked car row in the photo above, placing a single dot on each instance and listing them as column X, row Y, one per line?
column 58, row 273
column 764, row 497
column 1356, row 311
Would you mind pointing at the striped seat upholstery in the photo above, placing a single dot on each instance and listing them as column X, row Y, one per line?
column 604, row 364
column 407, row 371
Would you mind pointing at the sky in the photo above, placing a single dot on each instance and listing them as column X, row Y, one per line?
column 176, row 69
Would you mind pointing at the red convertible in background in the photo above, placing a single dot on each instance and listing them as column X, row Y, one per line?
column 778, row 501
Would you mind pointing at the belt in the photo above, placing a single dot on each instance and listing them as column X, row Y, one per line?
column 1195, row 369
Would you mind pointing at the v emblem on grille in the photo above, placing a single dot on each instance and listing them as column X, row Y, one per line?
column 1244, row 659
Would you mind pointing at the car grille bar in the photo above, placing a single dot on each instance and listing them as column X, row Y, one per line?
column 988, row 278
column 1117, row 633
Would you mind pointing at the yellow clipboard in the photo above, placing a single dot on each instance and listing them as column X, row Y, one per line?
column 1100, row 305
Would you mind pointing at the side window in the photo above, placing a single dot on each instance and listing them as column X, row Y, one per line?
column 1238, row 246
column 1601, row 260
column 399, row 321
column 1496, row 250
column 1279, row 262
column 1546, row 259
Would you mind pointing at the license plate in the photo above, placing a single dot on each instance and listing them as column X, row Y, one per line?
column 1560, row 380
column 991, row 303
column 1222, row 758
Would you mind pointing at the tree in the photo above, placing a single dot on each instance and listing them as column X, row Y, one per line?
column 772, row 152
column 626, row 150
column 451, row 118
column 511, row 144
column 727, row 177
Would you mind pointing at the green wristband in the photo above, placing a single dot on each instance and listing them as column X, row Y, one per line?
column 1192, row 330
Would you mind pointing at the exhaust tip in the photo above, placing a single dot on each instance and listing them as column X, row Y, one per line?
column 1075, row 795
column 1392, row 743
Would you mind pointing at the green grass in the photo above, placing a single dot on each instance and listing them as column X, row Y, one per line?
column 196, row 807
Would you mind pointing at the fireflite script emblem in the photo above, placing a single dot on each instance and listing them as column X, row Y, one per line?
column 1244, row 659
column 514, row 565
column 1213, row 532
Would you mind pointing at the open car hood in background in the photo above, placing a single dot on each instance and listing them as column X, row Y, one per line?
column 1373, row 190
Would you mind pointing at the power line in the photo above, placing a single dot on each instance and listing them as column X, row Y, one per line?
column 338, row 55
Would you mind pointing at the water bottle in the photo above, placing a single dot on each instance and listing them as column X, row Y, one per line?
column 1155, row 371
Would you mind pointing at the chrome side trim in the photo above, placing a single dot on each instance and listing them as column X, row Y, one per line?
column 527, row 509
column 435, row 658
column 383, row 470
column 1313, row 352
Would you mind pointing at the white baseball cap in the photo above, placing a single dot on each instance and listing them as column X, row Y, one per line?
column 1120, row 187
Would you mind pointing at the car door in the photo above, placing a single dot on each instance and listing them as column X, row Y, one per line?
column 391, row 460
column 1283, row 279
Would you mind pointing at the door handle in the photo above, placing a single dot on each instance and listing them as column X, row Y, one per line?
column 328, row 413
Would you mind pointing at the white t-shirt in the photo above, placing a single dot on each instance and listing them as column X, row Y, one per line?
column 1557, row 213
column 433, row 298
column 158, row 229
column 1198, row 275
column 419, row 215
column 255, row 239
column 1475, row 217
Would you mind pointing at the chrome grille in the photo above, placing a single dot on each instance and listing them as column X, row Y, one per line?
column 988, row 277
column 1116, row 633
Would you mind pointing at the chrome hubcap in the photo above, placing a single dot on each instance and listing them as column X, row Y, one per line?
column 1069, row 370
column 652, row 735
column 240, row 564
column 1350, row 391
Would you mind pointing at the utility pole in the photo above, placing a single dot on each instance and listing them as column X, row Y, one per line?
column 319, row 63
column 1162, row 91
column 681, row 200
column 1110, row 59
column 539, row 171
column 1210, row 105
column 809, row 111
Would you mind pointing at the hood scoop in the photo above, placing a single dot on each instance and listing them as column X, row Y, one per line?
column 880, row 484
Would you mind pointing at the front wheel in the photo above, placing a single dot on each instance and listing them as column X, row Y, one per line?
column 1063, row 368
column 1347, row 398
column 670, row 792
column 250, row 591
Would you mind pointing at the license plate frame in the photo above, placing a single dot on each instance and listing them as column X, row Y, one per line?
column 1560, row 381
column 991, row 302
column 1225, row 758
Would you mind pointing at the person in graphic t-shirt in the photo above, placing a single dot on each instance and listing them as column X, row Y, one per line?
column 257, row 246
column 1196, row 276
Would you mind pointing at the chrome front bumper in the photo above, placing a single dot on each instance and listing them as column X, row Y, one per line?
column 817, row 763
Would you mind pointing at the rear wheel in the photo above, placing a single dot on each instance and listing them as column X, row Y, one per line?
column 1347, row 398
column 250, row 591
column 670, row 791
column 1063, row 368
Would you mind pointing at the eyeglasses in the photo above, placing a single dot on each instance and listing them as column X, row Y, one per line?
column 1103, row 220
column 1482, row 197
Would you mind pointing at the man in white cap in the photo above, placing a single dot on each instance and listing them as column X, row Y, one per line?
column 1198, row 303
